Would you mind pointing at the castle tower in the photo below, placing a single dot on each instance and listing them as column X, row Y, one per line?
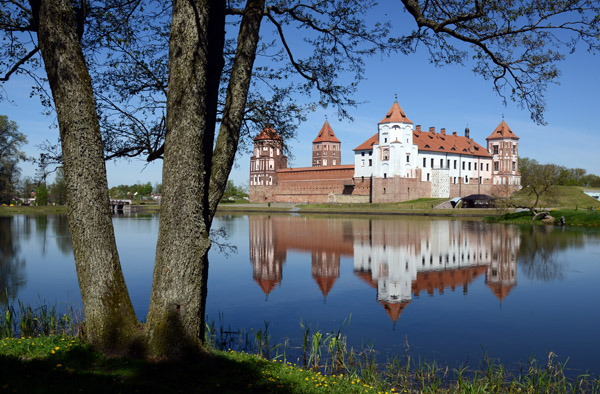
column 326, row 148
column 503, row 145
column 268, row 157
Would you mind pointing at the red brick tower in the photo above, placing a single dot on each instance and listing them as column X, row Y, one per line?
column 326, row 148
column 268, row 157
column 503, row 145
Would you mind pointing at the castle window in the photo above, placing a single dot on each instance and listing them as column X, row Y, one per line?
column 487, row 166
column 496, row 166
column 424, row 162
column 431, row 163
column 495, row 147
column 407, row 158
column 475, row 164
column 466, row 179
column 463, row 164
column 441, row 163
column 469, row 166
column 428, row 177
column 448, row 164
column 385, row 140
column 370, row 153
column 480, row 181
column 514, row 166
column 362, row 178
column 334, row 162
column 370, row 162
column 384, row 175
column 362, row 163
column 514, row 149
column 455, row 180
column 455, row 166
column 384, row 190
column 362, row 153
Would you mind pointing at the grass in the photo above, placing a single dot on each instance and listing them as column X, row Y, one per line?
column 559, row 197
column 32, row 210
column 65, row 364
column 573, row 217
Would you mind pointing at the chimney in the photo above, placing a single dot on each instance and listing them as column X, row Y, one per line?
column 419, row 127
column 467, row 132
column 454, row 133
column 432, row 130
column 443, row 131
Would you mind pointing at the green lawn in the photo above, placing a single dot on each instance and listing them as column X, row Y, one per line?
column 58, row 364
column 559, row 197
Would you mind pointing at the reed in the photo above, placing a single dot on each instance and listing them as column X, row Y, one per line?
column 24, row 320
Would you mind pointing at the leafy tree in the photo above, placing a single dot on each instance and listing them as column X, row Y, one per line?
column 231, row 190
column 212, row 86
column 58, row 189
column 11, row 141
column 41, row 195
column 538, row 179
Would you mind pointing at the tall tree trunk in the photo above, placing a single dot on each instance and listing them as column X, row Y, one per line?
column 235, row 102
column 175, row 322
column 109, row 315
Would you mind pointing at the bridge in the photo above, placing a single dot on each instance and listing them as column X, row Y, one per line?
column 119, row 205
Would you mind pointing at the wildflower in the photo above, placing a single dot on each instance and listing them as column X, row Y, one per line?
column 52, row 351
column 58, row 365
column 56, row 348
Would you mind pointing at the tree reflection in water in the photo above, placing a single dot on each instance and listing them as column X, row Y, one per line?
column 539, row 252
column 12, row 266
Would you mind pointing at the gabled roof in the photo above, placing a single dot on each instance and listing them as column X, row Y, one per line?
column 395, row 114
column 368, row 144
column 268, row 134
column 326, row 134
column 437, row 142
column 325, row 283
column 502, row 131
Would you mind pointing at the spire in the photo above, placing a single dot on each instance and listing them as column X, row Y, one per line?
column 395, row 114
column 502, row 131
column 326, row 134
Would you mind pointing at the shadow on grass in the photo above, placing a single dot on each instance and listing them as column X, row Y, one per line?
column 87, row 372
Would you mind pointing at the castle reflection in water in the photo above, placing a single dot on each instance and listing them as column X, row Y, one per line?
column 399, row 258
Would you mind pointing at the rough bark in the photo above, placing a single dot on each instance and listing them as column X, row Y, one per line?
column 109, row 315
column 235, row 102
column 175, row 322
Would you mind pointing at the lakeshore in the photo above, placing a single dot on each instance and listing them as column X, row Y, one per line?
column 64, row 364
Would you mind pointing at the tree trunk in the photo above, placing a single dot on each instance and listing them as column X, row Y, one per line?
column 175, row 322
column 109, row 316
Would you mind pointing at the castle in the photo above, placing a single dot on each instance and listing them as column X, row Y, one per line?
column 400, row 162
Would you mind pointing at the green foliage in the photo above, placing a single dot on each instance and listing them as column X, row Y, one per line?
column 58, row 189
column 233, row 192
column 136, row 191
column 11, row 141
column 41, row 195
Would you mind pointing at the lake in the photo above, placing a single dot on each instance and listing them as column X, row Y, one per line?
column 442, row 290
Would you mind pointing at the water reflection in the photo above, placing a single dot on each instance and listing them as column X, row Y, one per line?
column 12, row 265
column 401, row 259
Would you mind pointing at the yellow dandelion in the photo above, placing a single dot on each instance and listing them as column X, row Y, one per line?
column 58, row 365
column 52, row 351
column 56, row 348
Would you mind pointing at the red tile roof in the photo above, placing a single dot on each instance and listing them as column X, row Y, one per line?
column 434, row 142
column 326, row 134
column 325, row 283
column 502, row 131
column 448, row 143
column 268, row 134
column 368, row 144
column 395, row 114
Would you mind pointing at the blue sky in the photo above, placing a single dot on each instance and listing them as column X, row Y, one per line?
column 450, row 97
